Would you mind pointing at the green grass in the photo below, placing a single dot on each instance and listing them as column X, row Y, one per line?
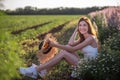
column 12, row 52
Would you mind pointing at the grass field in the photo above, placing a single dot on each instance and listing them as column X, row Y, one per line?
column 16, row 23
column 28, row 30
column 20, row 36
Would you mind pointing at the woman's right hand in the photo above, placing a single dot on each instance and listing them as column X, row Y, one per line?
column 76, row 29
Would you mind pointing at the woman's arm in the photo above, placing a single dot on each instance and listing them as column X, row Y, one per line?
column 72, row 49
column 72, row 41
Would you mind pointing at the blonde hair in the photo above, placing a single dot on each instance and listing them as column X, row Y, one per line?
column 91, row 29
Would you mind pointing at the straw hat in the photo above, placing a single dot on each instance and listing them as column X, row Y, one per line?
column 46, row 52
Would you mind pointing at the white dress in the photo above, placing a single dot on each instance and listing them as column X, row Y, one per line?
column 90, row 52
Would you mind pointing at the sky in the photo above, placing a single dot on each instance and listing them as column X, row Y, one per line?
column 13, row 4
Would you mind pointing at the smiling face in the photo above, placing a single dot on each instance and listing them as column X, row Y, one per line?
column 83, row 27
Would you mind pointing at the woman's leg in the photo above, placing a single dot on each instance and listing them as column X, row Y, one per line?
column 69, row 57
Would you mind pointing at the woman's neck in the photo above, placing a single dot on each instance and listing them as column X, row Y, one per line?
column 86, row 35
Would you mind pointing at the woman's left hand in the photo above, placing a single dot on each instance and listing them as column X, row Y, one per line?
column 52, row 43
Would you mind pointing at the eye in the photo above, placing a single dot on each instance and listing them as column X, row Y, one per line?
column 84, row 25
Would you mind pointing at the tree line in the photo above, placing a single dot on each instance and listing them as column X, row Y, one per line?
column 28, row 10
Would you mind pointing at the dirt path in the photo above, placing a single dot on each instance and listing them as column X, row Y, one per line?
column 27, row 28
column 53, row 30
column 29, row 44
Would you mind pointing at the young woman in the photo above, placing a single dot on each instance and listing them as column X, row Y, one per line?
column 87, row 44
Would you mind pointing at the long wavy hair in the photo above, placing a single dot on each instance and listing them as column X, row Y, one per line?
column 91, row 29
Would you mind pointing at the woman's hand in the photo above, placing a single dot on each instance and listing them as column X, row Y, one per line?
column 73, row 37
column 51, row 43
column 76, row 29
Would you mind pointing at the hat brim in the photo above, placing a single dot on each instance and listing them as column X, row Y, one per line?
column 46, row 50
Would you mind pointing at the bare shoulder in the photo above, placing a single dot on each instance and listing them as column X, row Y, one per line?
column 90, row 38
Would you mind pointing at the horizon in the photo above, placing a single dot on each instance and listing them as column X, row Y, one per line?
column 40, row 4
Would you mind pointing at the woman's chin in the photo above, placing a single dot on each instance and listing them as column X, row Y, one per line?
column 83, row 32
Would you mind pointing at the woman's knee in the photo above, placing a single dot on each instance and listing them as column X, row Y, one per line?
column 66, row 53
column 62, row 52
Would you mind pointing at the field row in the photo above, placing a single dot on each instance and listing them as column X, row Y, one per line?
column 30, row 26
